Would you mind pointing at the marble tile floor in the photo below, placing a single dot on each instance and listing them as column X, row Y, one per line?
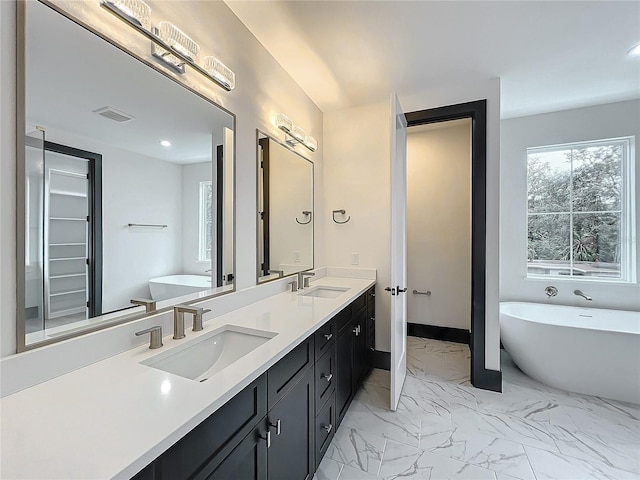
column 446, row 429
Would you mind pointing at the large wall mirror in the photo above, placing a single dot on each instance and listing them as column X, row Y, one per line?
column 285, row 210
column 128, row 184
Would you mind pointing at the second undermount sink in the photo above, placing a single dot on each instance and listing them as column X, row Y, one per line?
column 322, row 291
column 207, row 356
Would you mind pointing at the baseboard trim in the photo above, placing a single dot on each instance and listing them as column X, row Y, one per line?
column 382, row 360
column 487, row 380
column 448, row 334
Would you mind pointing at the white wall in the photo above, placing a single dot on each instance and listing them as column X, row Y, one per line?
column 132, row 256
column 357, row 177
column 263, row 89
column 590, row 123
column 192, row 175
column 439, row 224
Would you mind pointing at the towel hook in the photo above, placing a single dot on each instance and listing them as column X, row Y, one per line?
column 306, row 213
column 341, row 212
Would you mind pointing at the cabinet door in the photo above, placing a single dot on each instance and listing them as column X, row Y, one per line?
column 344, row 371
column 360, row 355
column 291, row 454
column 248, row 461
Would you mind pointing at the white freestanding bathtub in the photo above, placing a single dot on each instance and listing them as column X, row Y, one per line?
column 584, row 350
column 171, row 286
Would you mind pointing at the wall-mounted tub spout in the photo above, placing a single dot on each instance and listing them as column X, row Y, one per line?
column 580, row 294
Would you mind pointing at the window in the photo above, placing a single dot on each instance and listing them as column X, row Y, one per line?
column 579, row 210
column 205, row 221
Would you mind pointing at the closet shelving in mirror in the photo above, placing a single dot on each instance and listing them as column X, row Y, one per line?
column 171, row 55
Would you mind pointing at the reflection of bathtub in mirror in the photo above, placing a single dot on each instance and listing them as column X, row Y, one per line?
column 171, row 286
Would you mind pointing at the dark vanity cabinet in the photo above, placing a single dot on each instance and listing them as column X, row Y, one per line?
column 281, row 425
column 355, row 347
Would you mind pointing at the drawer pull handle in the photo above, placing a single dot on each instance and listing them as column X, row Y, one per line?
column 373, row 294
column 355, row 330
column 327, row 377
column 328, row 336
column 267, row 437
column 328, row 428
column 276, row 426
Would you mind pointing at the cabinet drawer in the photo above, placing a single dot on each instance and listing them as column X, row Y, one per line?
column 284, row 374
column 325, row 370
column 343, row 318
column 325, row 428
column 371, row 296
column 325, row 337
column 216, row 436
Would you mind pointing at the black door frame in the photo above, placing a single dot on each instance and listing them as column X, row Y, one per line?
column 95, row 220
column 481, row 377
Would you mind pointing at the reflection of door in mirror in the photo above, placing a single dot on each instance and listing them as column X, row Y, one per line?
column 167, row 155
column 64, row 214
column 285, row 204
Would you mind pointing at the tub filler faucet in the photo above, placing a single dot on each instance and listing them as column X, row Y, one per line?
column 580, row 294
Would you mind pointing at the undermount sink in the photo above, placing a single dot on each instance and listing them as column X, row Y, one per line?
column 209, row 355
column 322, row 291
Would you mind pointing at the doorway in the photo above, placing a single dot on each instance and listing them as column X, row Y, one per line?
column 475, row 112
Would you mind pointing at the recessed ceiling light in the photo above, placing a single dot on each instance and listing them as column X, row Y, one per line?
column 635, row 51
column 165, row 143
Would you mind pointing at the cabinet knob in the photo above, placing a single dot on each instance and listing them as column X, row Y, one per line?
column 276, row 426
column 327, row 377
column 267, row 438
column 328, row 428
column 328, row 336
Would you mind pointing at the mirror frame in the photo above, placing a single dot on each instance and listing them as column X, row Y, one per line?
column 21, row 345
column 313, row 201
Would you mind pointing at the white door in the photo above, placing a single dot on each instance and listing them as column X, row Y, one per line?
column 398, row 251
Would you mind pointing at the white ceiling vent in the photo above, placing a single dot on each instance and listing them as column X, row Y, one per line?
column 113, row 114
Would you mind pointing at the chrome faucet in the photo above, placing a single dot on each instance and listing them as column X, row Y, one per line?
column 580, row 294
column 178, row 319
column 303, row 279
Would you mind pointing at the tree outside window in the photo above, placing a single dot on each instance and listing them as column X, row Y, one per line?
column 577, row 222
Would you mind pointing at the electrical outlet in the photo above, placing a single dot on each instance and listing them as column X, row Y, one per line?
column 355, row 258
column 296, row 256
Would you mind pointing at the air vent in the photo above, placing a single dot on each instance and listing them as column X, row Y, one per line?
column 113, row 114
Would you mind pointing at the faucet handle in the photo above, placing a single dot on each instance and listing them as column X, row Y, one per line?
column 155, row 338
column 149, row 305
column 197, row 319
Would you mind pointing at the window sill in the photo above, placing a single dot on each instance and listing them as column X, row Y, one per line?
column 563, row 279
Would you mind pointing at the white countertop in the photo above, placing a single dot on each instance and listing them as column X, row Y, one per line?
column 112, row 418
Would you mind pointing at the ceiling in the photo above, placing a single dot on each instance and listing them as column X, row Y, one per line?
column 550, row 55
column 74, row 72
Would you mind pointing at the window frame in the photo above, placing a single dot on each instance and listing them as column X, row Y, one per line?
column 628, row 253
column 202, row 233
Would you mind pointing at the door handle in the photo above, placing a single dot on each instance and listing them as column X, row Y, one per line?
column 401, row 290
column 389, row 289
column 267, row 438
column 276, row 426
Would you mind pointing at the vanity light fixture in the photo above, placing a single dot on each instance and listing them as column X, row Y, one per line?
column 284, row 123
column 165, row 143
column 311, row 143
column 170, row 44
column 294, row 134
column 135, row 10
column 220, row 72
column 634, row 51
